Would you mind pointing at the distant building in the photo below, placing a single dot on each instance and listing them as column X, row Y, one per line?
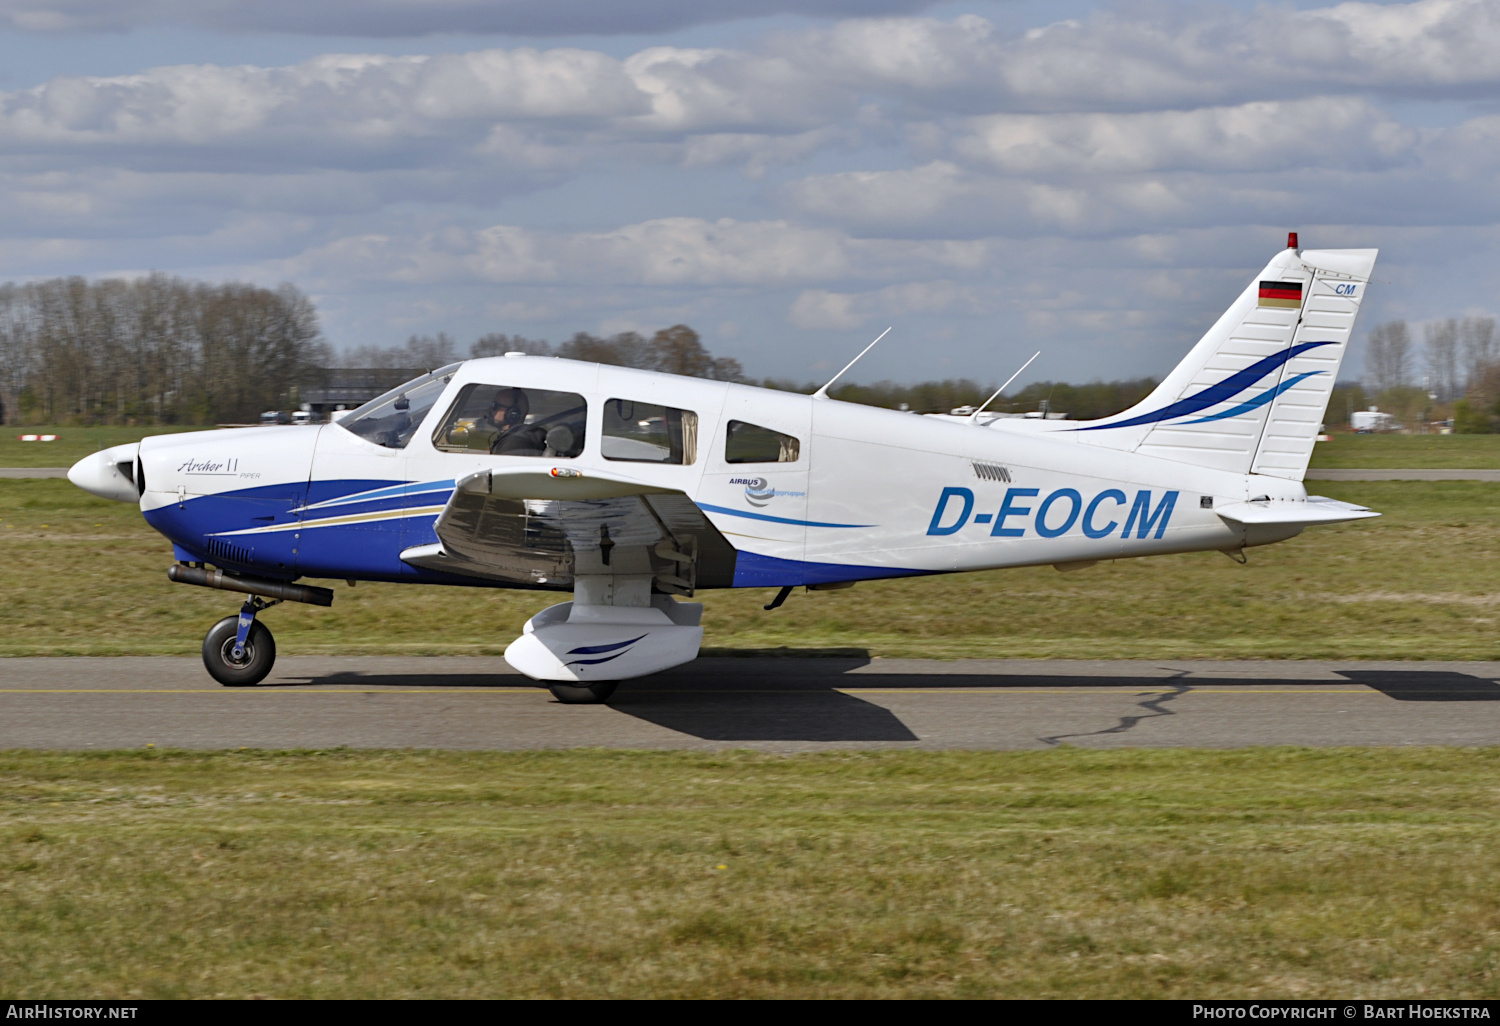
column 352, row 386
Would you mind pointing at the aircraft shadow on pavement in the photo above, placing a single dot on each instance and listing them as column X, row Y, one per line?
column 802, row 715
column 1427, row 685
column 760, row 699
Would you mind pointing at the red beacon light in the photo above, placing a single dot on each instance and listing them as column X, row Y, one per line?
column 1291, row 240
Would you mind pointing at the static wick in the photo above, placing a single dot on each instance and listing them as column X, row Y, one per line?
column 974, row 417
column 822, row 393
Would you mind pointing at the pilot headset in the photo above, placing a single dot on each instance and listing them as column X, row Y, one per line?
column 513, row 412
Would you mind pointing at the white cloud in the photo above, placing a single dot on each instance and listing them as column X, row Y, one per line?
column 1325, row 132
column 1174, row 56
column 670, row 251
column 1244, row 89
column 820, row 310
column 416, row 17
column 368, row 102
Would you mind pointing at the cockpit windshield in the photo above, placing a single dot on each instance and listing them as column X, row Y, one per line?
column 391, row 419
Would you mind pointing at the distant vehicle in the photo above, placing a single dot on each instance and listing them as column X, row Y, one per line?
column 302, row 417
column 632, row 489
column 273, row 417
column 1367, row 422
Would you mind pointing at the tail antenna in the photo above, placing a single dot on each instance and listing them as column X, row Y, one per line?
column 822, row 393
column 974, row 417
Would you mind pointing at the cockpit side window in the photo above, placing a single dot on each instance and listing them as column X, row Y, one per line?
column 505, row 420
column 647, row 433
column 391, row 419
column 751, row 443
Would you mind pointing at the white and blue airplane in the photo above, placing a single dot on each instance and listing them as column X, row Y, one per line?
column 634, row 490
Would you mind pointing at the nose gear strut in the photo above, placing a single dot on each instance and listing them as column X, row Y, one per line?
column 254, row 604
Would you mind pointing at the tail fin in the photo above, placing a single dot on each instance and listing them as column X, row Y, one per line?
column 1250, row 396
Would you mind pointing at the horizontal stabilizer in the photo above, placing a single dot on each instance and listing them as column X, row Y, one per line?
column 1315, row 509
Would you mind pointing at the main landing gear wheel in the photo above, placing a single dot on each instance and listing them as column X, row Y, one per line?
column 568, row 694
column 252, row 667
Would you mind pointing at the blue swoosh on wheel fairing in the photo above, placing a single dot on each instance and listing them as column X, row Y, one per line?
column 1260, row 400
column 597, row 649
column 1215, row 394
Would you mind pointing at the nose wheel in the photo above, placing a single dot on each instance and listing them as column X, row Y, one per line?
column 239, row 650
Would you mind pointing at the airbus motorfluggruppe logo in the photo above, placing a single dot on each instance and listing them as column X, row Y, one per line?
column 758, row 491
column 606, row 652
column 1230, row 389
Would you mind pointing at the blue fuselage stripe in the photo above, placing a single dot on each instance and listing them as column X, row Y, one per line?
column 770, row 519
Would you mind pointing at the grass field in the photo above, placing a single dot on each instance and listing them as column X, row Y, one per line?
column 86, row 576
column 1167, row 873
column 1436, row 452
column 72, row 445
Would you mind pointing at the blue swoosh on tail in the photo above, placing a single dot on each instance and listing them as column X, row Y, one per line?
column 1215, row 394
column 1258, row 401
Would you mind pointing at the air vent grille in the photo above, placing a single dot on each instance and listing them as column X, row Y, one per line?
column 221, row 551
column 991, row 472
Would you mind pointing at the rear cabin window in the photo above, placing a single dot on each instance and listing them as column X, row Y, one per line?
column 751, row 443
column 508, row 421
column 647, row 433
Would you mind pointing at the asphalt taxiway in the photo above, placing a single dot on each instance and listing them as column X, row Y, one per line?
column 776, row 704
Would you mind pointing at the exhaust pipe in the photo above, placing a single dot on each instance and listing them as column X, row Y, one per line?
column 206, row 578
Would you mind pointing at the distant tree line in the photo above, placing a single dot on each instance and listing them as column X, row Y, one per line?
column 674, row 350
column 162, row 349
column 156, row 349
column 1454, row 373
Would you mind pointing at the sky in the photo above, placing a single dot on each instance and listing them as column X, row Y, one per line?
column 1097, row 181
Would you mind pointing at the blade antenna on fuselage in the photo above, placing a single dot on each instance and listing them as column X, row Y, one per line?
column 974, row 417
column 822, row 393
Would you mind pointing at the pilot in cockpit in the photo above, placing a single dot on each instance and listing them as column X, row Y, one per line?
column 506, row 423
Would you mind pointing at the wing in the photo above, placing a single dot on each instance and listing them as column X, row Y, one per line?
column 541, row 529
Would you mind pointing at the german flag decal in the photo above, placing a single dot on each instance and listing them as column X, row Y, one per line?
column 1284, row 294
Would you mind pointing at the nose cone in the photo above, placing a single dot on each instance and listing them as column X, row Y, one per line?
column 109, row 474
